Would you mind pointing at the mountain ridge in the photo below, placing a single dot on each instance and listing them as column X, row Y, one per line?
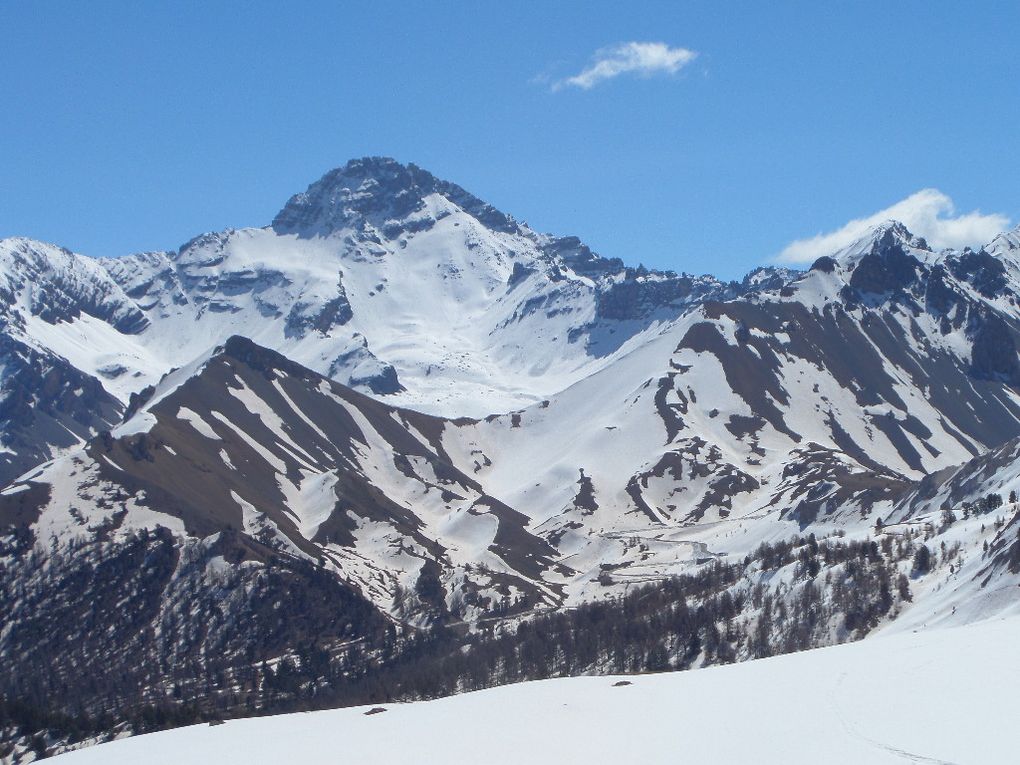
column 299, row 296
column 457, row 429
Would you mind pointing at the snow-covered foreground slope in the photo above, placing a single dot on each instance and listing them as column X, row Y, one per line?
column 938, row 696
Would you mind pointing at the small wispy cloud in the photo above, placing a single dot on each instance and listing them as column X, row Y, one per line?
column 928, row 213
column 641, row 58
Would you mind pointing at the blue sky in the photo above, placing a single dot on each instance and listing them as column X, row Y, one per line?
column 132, row 125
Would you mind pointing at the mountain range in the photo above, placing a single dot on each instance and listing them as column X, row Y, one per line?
column 399, row 399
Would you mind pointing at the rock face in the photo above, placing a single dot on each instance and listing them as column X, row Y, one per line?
column 46, row 401
column 994, row 352
column 54, row 284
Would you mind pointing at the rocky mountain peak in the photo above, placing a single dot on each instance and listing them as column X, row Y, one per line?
column 379, row 192
column 885, row 259
column 888, row 237
column 1006, row 244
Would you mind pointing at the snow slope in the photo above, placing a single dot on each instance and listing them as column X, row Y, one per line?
column 937, row 696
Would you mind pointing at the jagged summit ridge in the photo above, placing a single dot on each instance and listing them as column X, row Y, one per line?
column 881, row 239
column 377, row 191
column 1007, row 246
column 889, row 261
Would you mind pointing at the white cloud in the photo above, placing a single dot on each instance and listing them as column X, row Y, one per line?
column 643, row 58
column 928, row 213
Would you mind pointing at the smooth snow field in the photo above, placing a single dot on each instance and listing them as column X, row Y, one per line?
column 940, row 696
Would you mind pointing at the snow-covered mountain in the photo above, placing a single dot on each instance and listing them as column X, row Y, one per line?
column 389, row 280
column 399, row 397
column 379, row 276
column 654, row 405
column 51, row 398
column 244, row 439
column 572, row 499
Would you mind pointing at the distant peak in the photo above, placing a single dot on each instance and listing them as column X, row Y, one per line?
column 893, row 232
column 376, row 191
column 879, row 239
column 894, row 226
column 1007, row 240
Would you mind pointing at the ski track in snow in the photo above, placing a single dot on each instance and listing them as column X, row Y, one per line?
column 852, row 730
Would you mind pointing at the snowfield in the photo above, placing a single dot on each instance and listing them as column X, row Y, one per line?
column 936, row 696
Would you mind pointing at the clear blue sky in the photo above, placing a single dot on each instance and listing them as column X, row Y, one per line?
column 133, row 125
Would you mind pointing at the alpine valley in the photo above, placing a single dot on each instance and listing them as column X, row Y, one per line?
column 398, row 445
